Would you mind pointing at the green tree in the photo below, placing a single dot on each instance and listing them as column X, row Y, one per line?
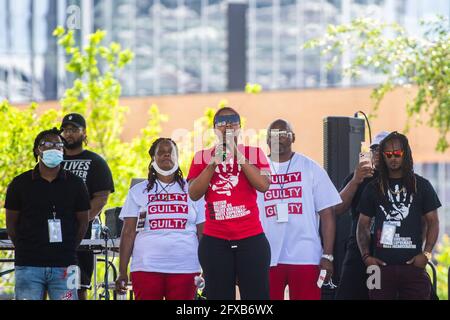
column 442, row 258
column 19, row 129
column 95, row 93
column 404, row 60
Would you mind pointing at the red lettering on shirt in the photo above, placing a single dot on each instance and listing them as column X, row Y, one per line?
column 165, row 197
column 294, row 208
column 168, row 208
column 294, row 192
column 286, row 178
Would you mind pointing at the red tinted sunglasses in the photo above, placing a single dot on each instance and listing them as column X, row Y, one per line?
column 395, row 154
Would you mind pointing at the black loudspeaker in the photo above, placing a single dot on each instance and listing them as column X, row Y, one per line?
column 135, row 181
column 3, row 234
column 342, row 145
column 237, row 45
column 113, row 222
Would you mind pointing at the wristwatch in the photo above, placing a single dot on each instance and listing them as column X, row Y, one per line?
column 428, row 255
column 329, row 257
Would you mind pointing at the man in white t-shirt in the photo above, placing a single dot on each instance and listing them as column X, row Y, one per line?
column 300, row 197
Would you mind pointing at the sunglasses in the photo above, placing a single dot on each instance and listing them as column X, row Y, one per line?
column 395, row 154
column 52, row 145
column 222, row 121
column 280, row 134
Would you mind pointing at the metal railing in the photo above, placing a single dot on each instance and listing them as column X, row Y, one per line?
column 434, row 276
column 107, row 288
column 4, row 273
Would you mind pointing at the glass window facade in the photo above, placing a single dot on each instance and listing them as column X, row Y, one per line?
column 181, row 45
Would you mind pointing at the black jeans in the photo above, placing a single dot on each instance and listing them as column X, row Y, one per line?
column 223, row 262
column 353, row 280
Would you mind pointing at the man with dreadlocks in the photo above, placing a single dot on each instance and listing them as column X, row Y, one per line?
column 161, row 231
column 398, row 199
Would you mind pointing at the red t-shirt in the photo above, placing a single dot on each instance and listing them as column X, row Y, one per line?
column 231, row 208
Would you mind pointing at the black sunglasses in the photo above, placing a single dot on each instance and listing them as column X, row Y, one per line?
column 232, row 119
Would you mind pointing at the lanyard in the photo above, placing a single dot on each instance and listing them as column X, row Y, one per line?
column 54, row 213
column 287, row 171
column 164, row 189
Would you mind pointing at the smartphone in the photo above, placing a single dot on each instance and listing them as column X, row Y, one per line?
column 366, row 157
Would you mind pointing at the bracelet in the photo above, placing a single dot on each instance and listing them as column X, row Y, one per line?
column 365, row 256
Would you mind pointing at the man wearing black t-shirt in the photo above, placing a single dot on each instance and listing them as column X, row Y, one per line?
column 352, row 284
column 95, row 172
column 46, row 219
column 398, row 199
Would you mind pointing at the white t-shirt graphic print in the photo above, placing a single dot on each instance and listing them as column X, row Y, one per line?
column 307, row 189
column 169, row 241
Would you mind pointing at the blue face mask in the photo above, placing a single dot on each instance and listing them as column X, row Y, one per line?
column 52, row 158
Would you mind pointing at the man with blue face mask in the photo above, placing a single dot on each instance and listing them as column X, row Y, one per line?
column 46, row 219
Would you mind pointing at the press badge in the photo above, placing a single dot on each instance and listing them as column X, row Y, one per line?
column 388, row 233
column 54, row 230
column 141, row 221
column 282, row 212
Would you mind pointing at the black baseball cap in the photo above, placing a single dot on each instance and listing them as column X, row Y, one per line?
column 74, row 119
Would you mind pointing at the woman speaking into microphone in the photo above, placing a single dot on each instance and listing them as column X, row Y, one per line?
column 161, row 230
column 234, row 246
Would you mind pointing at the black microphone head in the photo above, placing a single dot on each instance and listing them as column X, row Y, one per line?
column 105, row 229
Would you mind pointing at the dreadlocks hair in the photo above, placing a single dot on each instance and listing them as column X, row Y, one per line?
column 41, row 136
column 408, row 177
column 152, row 172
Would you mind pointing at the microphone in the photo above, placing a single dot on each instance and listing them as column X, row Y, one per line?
column 229, row 134
column 104, row 229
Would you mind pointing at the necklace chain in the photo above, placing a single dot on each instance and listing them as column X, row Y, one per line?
column 397, row 192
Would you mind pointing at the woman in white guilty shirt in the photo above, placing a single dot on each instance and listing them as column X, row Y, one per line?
column 161, row 231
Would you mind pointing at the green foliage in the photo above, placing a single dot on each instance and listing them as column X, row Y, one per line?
column 95, row 94
column 442, row 258
column 19, row 129
column 404, row 60
column 253, row 88
column 202, row 132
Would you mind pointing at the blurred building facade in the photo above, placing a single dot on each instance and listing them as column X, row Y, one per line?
column 181, row 46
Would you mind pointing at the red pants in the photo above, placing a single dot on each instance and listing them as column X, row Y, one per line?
column 159, row 286
column 301, row 279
